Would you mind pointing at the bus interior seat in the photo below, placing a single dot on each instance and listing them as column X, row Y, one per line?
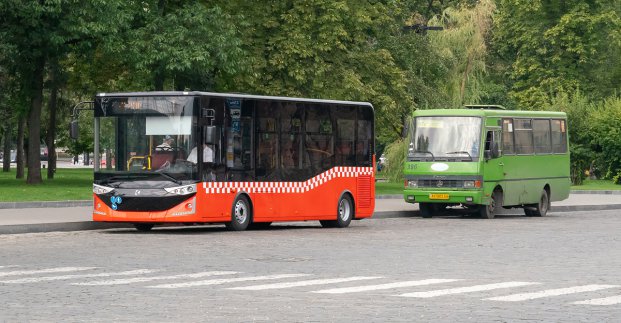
column 160, row 158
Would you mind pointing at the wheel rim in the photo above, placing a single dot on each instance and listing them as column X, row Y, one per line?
column 241, row 211
column 344, row 210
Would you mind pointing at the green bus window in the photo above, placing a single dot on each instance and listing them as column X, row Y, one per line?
column 541, row 134
column 507, row 137
column 559, row 136
column 524, row 136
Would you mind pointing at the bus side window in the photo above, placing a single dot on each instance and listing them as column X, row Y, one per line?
column 507, row 137
column 559, row 137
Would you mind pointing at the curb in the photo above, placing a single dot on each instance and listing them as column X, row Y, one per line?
column 89, row 225
column 59, row 227
column 45, row 204
column 560, row 208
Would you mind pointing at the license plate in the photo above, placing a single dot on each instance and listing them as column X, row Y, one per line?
column 438, row 196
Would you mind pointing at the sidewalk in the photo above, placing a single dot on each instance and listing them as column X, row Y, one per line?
column 31, row 217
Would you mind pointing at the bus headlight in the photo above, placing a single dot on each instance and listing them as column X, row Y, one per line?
column 413, row 184
column 98, row 189
column 181, row 190
column 472, row 184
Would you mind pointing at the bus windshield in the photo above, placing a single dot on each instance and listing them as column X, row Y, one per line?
column 445, row 139
column 146, row 139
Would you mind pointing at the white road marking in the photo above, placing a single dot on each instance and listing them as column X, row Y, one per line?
column 384, row 286
column 146, row 279
column 304, row 283
column 65, row 277
column 44, row 271
column 550, row 292
column 469, row 289
column 229, row 280
column 601, row 301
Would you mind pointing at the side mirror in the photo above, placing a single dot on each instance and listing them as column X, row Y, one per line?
column 74, row 129
column 211, row 135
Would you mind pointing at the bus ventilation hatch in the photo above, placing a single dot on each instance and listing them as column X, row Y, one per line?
column 364, row 192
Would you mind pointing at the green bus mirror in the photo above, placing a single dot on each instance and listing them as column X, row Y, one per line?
column 74, row 130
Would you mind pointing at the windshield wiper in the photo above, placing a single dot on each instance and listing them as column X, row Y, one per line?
column 461, row 152
column 425, row 152
column 117, row 177
column 170, row 177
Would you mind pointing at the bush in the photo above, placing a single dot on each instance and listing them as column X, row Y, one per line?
column 617, row 178
column 395, row 153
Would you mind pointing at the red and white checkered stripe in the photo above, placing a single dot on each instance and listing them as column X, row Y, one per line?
column 286, row 187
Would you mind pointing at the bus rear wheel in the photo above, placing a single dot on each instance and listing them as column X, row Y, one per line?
column 489, row 211
column 144, row 227
column 541, row 208
column 241, row 214
column 344, row 214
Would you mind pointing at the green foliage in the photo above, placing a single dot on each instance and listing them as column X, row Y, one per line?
column 605, row 132
column 559, row 46
column 395, row 153
column 617, row 179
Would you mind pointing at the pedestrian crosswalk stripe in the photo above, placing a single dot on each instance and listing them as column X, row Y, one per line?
column 44, row 271
column 152, row 278
column 304, row 283
column 229, row 280
column 601, row 301
column 411, row 283
column 469, row 289
column 66, row 277
column 550, row 292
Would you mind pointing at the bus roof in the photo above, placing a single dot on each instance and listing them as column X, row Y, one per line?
column 229, row 95
column 489, row 113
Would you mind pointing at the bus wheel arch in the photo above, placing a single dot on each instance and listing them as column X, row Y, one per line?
column 345, row 212
column 241, row 213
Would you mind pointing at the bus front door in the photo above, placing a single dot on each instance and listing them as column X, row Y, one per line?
column 494, row 164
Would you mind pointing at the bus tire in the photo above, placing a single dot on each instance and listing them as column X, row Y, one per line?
column 426, row 210
column 144, row 227
column 344, row 214
column 541, row 208
column 241, row 214
column 489, row 211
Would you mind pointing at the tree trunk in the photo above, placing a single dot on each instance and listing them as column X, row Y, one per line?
column 51, row 132
column 6, row 150
column 19, row 154
column 34, row 125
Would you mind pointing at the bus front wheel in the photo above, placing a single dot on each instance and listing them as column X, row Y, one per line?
column 426, row 210
column 241, row 215
column 344, row 214
column 489, row 211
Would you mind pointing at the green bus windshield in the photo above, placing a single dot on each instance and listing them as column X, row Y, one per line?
column 445, row 139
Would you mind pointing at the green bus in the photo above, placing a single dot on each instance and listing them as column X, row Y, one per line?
column 485, row 157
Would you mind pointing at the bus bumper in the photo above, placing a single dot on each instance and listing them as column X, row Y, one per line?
column 445, row 196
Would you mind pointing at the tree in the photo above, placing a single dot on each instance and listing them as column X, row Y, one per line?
column 35, row 33
column 559, row 46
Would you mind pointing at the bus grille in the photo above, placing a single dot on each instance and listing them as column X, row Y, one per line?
column 441, row 183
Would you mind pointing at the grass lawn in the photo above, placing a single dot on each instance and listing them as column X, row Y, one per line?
column 68, row 184
column 597, row 185
column 384, row 188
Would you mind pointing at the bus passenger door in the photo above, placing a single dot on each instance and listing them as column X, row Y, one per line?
column 494, row 162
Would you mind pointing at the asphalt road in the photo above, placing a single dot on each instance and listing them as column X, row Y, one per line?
column 564, row 267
